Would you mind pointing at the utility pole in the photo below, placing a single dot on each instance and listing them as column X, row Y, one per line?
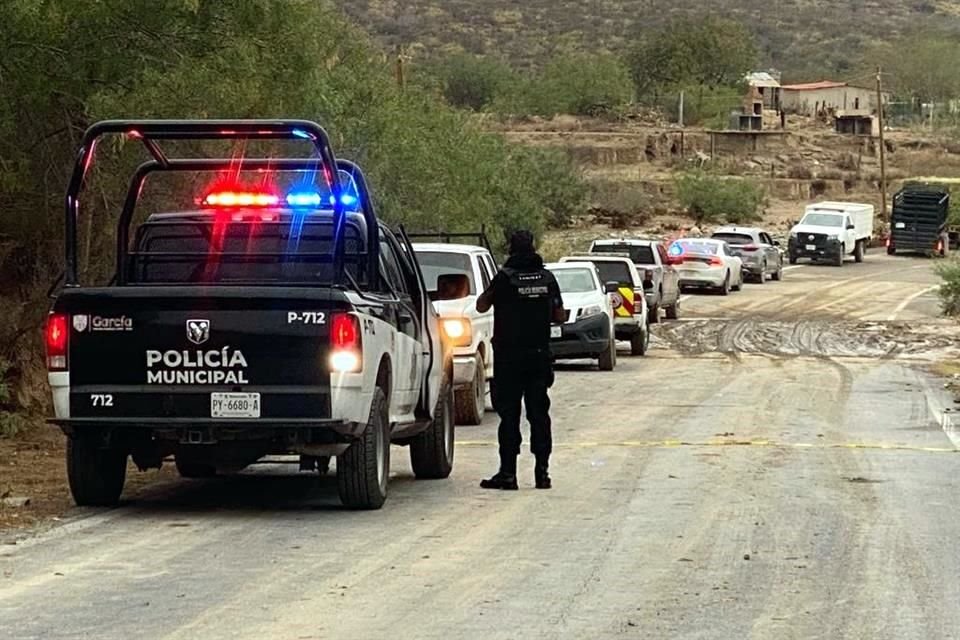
column 883, row 149
column 681, row 109
column 400, row 79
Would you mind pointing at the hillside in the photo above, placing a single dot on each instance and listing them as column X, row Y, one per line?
column 801, row 37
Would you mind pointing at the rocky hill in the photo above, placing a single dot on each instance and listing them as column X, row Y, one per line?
column 801, row 37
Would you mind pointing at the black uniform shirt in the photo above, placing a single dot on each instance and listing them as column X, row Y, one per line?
column 526, row 299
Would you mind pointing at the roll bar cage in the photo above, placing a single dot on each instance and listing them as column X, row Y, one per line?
column 149, row 132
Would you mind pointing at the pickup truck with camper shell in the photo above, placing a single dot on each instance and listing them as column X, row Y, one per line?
column 831, row 231
column 661, row 280
column 275, row 315
column 471, row 331
column 631, row 321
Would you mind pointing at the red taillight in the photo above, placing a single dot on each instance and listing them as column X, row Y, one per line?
column 716, row 262
column 346, row 353
column 749, row 247
column 57, row 338
column 638, row 296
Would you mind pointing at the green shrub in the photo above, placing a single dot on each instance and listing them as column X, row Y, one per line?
column 709, row 198
column 949, row 292
column 576, row 84
column 472, row 82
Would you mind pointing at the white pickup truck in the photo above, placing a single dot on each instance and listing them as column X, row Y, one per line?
column 471, row 330
column 831, row 231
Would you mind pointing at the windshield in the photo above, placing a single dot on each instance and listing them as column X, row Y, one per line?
column 181, row 251
column 698, row 246
column 614, row 272
column 575, row 280
column 640, row 254
column 437, row 263
column 733, row 238
column 823, row 219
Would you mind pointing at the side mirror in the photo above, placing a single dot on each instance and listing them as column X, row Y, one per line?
column 776, row 243
column 452, row 286
column 611, row 286
column 851, row 227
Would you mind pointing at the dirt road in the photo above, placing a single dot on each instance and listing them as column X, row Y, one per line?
column 777, row 467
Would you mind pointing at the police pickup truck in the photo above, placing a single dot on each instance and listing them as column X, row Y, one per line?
column 283, row 319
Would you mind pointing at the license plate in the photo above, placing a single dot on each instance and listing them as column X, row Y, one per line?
column 901, row 225
column 234, row 405
column 811, row 247
column 556, row 332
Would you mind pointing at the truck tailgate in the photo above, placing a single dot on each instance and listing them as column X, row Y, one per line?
column 183, row 353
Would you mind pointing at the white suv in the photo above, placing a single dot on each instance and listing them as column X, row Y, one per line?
column 470, row 330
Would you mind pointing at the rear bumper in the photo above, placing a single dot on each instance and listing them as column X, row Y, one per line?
column 626, row 328
column 703, row 278
column 582, row 339
column 210, row 428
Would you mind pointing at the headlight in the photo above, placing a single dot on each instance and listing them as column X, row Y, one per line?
column 833, row 237
column 592, row 310
column 458, row 331
column 793, row 234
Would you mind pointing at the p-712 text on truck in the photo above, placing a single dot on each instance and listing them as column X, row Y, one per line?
column 276, row 315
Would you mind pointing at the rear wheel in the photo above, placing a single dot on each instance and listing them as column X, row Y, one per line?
column 639, row 342
column 725, row 287
column 431, row 454
column 363, row 469
column 762, row 276
column 673, row 311
column 778, row 274
column 608, row 359
column 891, row 250
column 96, row 474
column 654, row 313
column 471, row 403
column 858, row 251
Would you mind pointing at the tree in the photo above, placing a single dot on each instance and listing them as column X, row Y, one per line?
column 472, row 82
column 576, row 84
column 710, row 52
column 915, row 67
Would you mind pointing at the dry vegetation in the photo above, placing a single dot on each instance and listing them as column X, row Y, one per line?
column 805, row 37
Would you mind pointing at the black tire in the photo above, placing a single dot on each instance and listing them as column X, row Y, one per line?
column 654, row 314
column 891, row 250
column 471, row 403
column 792, row 259
column 762, row 276
column 858, row 251
column 725, row 288
column 778, row 274
column 193, row 469
column 608, row 359
column 431, row 453
column 96, row 474
column 363, row 470
column 838, row 261
column 673, row 311
column 639, row 342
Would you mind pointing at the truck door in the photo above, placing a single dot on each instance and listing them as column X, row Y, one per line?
column 671, row 279
column 408, row 363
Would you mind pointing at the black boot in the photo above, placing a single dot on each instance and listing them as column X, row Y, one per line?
column 541, row 476
column 506, row 478
column 502, row 480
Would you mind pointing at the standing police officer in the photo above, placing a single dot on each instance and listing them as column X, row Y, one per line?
column 526, row 300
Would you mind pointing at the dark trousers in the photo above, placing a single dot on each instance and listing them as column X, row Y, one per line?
column 522, row 376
